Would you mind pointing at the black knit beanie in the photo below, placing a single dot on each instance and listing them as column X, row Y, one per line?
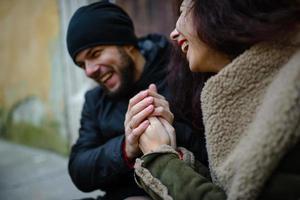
column 100, row 23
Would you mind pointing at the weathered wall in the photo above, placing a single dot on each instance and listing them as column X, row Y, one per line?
column 151, row 15
column 28, row 31
column 30, row 109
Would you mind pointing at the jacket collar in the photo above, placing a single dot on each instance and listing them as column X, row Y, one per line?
column 246, row 107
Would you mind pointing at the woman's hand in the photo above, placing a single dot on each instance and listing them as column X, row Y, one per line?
column 161, row 105
column 159, row 132
column 145, row 104
column 142, row 106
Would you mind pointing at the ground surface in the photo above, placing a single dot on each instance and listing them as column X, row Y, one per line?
column 34, row 174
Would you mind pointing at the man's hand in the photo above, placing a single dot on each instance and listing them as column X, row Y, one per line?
column 145, row 104
column 139, row 108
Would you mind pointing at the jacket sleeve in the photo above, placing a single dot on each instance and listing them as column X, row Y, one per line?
column 95, row 163
column 191, row 139
column 164, row 176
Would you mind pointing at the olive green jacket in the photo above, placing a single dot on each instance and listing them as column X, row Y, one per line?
column 176, row 179
column 251, row 113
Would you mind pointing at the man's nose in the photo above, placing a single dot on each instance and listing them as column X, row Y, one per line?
column 91, row 69
column 174, row 34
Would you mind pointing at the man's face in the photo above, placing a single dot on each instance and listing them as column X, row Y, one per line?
column 110, row 66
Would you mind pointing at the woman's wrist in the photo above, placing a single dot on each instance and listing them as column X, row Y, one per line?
column 153, row 147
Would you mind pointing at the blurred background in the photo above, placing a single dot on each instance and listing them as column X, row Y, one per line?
column 41, row 90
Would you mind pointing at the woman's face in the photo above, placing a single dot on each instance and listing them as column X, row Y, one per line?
column 200, row 56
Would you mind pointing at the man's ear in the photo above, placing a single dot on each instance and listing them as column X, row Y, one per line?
column 130, row 49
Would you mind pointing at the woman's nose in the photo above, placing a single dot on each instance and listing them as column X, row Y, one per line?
column 174, row 34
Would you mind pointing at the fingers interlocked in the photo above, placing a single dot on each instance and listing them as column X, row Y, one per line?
column 141, row 108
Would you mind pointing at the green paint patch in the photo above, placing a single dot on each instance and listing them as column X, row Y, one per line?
column 45, row 136
column 3, row 121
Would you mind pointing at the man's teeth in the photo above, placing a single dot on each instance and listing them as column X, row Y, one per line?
column 106, row 76
column 185, row 46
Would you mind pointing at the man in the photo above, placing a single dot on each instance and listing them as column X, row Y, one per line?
column 101, row 41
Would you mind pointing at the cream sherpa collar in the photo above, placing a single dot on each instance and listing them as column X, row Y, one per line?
column 251, row 112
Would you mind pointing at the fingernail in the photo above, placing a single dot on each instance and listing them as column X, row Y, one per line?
column 150, row 107
column 150, row 99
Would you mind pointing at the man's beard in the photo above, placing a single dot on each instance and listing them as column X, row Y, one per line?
column 127, row 69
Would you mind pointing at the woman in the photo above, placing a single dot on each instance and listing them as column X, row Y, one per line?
column 251, row 107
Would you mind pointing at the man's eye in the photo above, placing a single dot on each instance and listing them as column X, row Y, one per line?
column 96, row 54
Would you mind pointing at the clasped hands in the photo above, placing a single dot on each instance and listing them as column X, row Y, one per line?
column 148, row 123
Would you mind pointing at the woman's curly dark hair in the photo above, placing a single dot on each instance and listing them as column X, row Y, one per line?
column 186, row 87
column 231, row 27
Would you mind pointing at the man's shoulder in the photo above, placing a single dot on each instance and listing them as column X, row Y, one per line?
column 94, row 93
column 156, row 39
column 155, row 48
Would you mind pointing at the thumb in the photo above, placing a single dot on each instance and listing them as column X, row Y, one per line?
column 152, row 87
column 170, row 131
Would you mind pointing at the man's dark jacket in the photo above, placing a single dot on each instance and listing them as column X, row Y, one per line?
column 96, row 160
